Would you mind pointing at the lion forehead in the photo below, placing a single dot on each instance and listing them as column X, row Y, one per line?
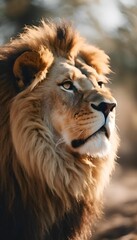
column 64, row 70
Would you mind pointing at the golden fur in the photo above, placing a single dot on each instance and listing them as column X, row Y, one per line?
column 35, row 113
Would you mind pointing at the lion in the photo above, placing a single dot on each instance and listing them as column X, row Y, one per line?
column 58, row 138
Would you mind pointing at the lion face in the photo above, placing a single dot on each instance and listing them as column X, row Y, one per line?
column 83, row 112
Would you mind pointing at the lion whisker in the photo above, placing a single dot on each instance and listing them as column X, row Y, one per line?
column 59, row 142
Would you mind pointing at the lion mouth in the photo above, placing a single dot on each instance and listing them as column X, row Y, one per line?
column 79, row 142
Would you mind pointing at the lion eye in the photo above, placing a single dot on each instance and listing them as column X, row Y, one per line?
column 101, row 84
column 68, row 85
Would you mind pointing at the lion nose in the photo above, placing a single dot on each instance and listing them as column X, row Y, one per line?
column 104, row 107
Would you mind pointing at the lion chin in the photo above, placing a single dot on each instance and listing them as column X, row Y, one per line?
column 98, row 146
column 58, row 134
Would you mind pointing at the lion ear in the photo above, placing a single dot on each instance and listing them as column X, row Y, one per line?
column 31, row 67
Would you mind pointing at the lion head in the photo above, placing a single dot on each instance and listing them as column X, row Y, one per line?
column 57, row 126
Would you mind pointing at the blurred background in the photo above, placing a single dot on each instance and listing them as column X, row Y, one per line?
column 112, row 26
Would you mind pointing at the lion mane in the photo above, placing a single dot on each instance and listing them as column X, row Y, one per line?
column 47, row 190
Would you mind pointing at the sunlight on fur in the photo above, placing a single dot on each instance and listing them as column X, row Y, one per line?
column 58, row 134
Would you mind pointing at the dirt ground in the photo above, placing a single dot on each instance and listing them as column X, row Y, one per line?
column 120, row 209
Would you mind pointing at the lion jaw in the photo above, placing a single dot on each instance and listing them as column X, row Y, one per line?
column 99, row 143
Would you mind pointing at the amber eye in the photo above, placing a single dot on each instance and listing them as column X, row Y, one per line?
column 101, row 84
column 68, row 86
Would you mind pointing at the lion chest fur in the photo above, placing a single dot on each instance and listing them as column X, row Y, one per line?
column 57, row 150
